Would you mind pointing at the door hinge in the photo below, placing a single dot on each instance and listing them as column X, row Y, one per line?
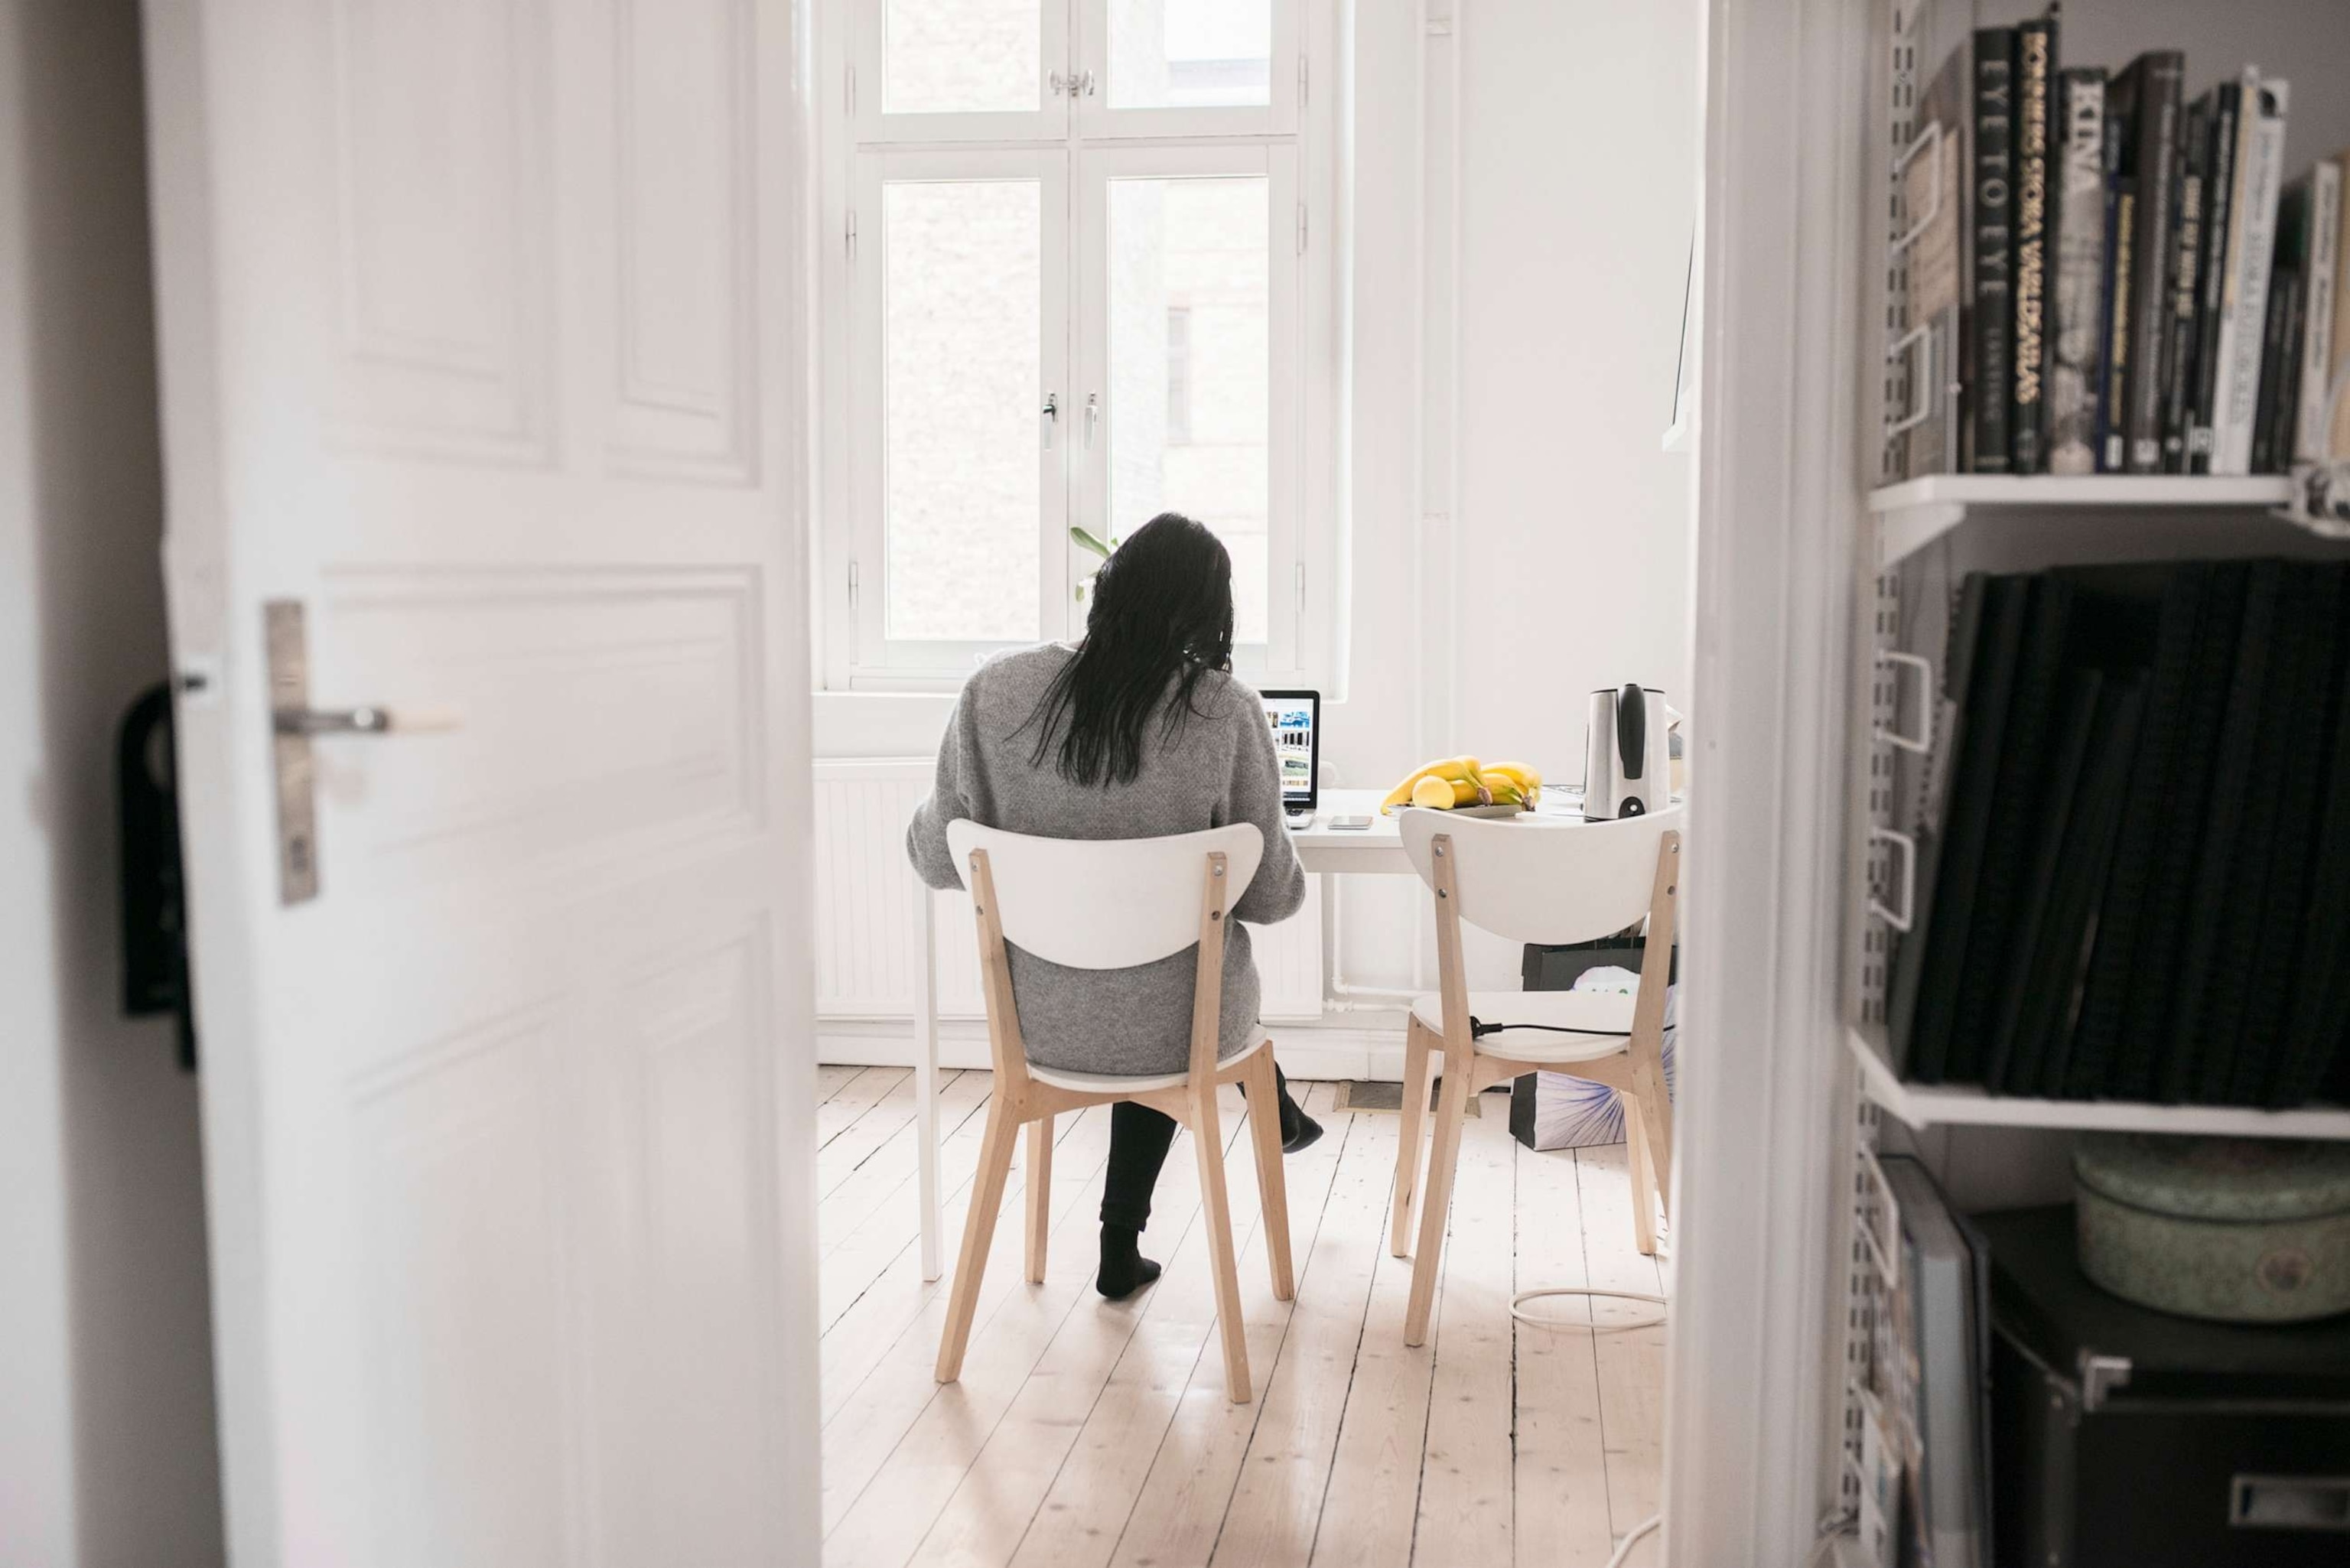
column 849, row 237
column 1301, row 81
column 1301, row 228
column 852, row 582
column 849, row 89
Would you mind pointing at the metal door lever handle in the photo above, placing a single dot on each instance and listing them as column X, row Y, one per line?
column 363, row 720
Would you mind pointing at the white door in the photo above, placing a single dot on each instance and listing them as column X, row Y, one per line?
column 476, row 329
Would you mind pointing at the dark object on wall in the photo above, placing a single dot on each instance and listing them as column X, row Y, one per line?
column 2127, row 1437
column 154, row 907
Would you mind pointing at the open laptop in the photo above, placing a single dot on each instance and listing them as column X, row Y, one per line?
column 1295, row 719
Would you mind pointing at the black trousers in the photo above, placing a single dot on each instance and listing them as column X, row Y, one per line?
column 1138, row 1140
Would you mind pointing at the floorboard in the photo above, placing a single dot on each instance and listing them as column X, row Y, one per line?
column 1088, row 1434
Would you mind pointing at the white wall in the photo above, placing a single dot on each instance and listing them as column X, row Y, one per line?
column 107, row 1451
column 1549, row 148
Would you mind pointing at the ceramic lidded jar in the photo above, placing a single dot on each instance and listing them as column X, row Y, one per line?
column 2232, row 1229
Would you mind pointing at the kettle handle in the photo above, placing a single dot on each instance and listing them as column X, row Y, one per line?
column 1631, row 731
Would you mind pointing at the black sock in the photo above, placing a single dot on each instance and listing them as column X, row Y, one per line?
column 1124, row 1269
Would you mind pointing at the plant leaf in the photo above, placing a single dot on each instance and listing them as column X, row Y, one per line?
column 1086, row 540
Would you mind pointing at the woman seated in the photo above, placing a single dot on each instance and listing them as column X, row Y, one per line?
column 1138, row 732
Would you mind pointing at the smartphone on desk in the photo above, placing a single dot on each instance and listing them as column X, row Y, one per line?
column 1349, row 824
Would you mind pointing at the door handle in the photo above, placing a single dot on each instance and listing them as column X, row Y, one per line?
column 294, row 724
column 366, row 721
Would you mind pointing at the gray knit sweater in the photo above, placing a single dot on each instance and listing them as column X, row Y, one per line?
column 1219, row 767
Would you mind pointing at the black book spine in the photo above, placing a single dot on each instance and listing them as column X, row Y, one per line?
column 2112, row 417
column 2279, row 378
column 2121, row 220
column 2179, row 342
column 2211, row 275
column 2157, row 146
column 1992, row 327
column 2035, row 52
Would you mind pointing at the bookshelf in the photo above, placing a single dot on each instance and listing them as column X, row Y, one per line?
column 1923, row 1106
column 1915, row 513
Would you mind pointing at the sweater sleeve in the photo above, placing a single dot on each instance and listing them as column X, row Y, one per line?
column 926, row 835
column 1278, row 890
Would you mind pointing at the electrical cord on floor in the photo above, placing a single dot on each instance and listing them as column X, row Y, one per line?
column 1624, row 1547
column 1518, row 1313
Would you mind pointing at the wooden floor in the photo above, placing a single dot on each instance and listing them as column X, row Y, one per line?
column 1096, row 1434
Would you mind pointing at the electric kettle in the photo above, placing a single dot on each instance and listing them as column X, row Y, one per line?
column 1627, row 755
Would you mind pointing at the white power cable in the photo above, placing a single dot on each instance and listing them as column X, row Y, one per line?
column 1519, row 1313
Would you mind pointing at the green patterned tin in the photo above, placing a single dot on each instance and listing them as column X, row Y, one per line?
column 2233, row 1229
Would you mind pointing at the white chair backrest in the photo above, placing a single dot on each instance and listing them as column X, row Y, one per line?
column 1105, row 903
column 1526, row 879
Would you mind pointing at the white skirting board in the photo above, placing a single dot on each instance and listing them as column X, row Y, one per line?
column 1371, row 1048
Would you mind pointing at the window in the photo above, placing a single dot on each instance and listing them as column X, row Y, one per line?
column 1078, row 248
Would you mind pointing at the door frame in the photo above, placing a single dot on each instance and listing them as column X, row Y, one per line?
column 1754, row 1364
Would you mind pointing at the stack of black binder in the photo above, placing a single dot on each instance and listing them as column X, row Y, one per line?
column 2135, row 883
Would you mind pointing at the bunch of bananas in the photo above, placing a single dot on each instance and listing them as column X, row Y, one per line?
column 1465, row 781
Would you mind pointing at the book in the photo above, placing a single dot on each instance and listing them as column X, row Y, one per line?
column 2078, row 331
column 1943, row 1354
column 2180, row 338
column 2121, row 222
column 2035, row 58
column 2273, row 977
column 2225, row 1046
column 2017, row 806
column 2321, row 277
column 1922, row 786
column 2056, row 982
column 1965, row 827
column 2260, row 152
column 2337, row 369
column 2005, row 1070
column 2212, row 273
column 2213, row 850
column 2154, row 93
column 1934, row 442
column 1991, row 326
column 2320, row 1007
column 2160, row 755
column 2280, row 375
column 2157, row 956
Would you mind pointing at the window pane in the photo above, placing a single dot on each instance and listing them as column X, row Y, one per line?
column 1187, row 329
column 963, row 330
column 1190, row 53
column 961, row 57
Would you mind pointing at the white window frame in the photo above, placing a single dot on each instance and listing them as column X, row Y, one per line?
column 1276, row 164
column 1292, row 141
column 934, row 659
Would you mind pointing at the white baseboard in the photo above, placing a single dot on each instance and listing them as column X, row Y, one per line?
column 1308, row 1051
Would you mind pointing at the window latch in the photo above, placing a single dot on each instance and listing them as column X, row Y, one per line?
column 1093, row 416
column 1052, row 417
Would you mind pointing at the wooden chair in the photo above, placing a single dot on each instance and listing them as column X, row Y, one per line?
column 1528, row 881
column 1113, row 904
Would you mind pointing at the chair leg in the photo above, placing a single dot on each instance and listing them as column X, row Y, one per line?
column 1657, row 1122
column 1409, row 1135
column 978, row 1236
column 1435, row 1201
column 1643, row 1173
column 1040, row 1194
column 1271, row 1189
column 1208, row 1138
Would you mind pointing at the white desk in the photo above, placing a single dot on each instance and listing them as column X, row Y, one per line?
column 1376, row 851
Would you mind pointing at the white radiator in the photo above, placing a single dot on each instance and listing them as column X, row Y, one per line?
column 867, row 932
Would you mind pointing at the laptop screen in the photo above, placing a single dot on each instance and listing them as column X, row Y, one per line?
column 1295, row 719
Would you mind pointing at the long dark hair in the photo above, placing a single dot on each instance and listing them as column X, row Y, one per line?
column 1161, row 617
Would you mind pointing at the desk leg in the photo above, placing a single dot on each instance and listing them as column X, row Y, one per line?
column 926, row 1082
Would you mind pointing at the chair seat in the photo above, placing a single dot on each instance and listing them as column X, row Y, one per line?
column 1600, row 1009
column 1133, row 1082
